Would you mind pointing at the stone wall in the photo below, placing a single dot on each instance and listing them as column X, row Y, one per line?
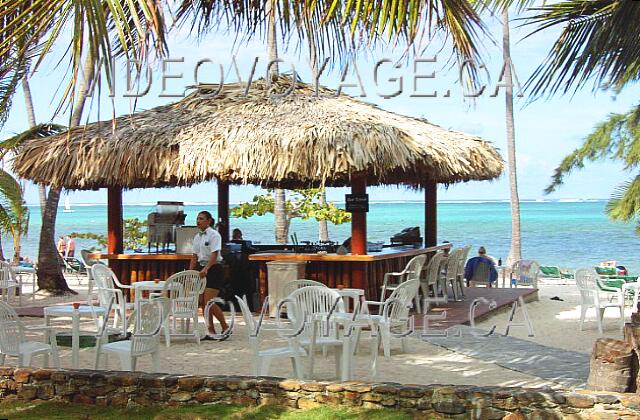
column 125, row 389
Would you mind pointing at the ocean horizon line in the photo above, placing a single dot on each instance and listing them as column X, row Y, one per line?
column 392, row 201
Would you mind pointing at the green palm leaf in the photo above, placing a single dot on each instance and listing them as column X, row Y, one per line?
column 100, row 29
column 340, row 26
column 617, row 138
column 599, row 43
column 14, row 214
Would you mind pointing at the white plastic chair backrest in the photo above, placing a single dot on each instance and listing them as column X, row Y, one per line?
column 462, row 258
column 526, row 272
column 397, row 305
column 11, row 331
column 103, row 277
column 414, row 267
column 587, row 282
column 432, row 271
column 310, row 300
column 6, row 275
column 452, row 263
column 289, row 287
column 481, row 273
column 184, row 289
column 147, row 326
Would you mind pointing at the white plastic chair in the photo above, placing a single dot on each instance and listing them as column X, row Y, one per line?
column 8, row 283
column 144, row 340
column 432, row 276
column 107, row 287
column 587, row 281
column 394, row 314
column 312, row 305
column 452, row 272
column 183, row 291
column 262, row 358
column 525, row 273
column 412, row 271
column 289, row 287
column 13, row 342
column 481, row 275
column 462, row 260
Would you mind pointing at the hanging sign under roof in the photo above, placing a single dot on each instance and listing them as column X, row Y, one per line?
column 357, row 203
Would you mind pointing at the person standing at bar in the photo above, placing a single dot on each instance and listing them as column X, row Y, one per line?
column 206, row 259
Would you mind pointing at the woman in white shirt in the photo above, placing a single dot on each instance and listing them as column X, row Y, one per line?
column 206, row 259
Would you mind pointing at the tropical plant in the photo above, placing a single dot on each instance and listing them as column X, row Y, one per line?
column 599, row 45
column 617, row 139
column 14, row 214
column 305, row 205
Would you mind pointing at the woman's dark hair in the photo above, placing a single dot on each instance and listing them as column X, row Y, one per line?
column 208, row 216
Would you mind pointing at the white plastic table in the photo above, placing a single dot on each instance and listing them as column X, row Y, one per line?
column 355, row 294
column 68, row 311
column 150, row 286
column 19, row 271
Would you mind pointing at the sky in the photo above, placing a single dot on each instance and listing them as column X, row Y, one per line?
column 546, row 129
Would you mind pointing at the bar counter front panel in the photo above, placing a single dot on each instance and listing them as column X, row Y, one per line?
column 333, row 269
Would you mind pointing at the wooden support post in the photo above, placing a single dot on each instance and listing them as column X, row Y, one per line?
column 358, row 234
column 431, row 214
column 359, row 220
column 223, row 210
column 115, row 235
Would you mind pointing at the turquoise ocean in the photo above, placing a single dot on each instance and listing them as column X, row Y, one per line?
column 566, row 233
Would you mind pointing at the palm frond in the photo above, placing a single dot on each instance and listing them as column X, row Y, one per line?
column 339, row 27
column 624, row 203
column 101, row 30
column 599, row 43
column 38, row 131
column 14, row 214
column 616, row 138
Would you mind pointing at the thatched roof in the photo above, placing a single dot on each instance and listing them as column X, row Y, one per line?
column 294, row 141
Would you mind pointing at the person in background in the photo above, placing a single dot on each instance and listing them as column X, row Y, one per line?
column 62, row 246
column 71, row 247
column 236, row 235
column 206, row 259
column 473, row 263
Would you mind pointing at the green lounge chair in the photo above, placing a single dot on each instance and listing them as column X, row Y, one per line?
column 555, row 272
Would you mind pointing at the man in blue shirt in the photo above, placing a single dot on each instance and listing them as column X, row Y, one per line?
column 473, row 263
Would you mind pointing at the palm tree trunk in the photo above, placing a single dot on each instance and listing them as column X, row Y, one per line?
column 31, row 116
column 279, row 208
column 515, row 252
column 50, row 276
column 323, row 230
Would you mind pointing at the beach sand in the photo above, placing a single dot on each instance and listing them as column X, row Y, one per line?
column 555, row 324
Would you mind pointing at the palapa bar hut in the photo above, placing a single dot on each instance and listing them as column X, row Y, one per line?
column 272, row 135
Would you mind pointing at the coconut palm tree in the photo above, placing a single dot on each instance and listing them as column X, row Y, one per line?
column 515, row 251
column 598, row 45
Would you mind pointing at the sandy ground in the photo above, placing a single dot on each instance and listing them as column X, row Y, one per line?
column 555, row 324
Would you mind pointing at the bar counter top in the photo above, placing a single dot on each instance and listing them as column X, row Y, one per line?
column 385, row 254
column 141, row 256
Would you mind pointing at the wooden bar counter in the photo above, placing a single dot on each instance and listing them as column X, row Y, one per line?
column 131, row 268
column 334, row 269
